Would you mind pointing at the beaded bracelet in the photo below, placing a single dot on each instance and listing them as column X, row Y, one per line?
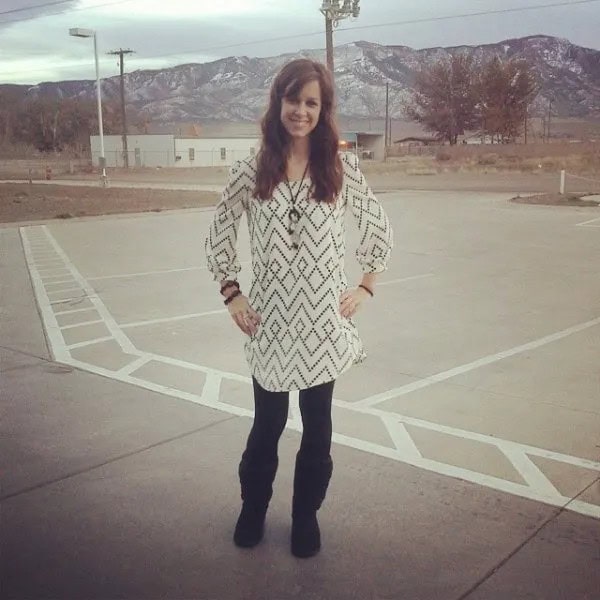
column 230, row 298
column 227, row 284
column 364, row 287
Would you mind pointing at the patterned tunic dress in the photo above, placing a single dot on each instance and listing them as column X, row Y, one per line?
column 302, row 340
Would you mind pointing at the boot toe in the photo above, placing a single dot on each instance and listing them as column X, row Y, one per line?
column 250, row 527
column 306, row 537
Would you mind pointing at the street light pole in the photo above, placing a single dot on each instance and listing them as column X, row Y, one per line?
column 99, row 102
column 87, row 33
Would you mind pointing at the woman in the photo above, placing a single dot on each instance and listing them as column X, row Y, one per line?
column 298, row 313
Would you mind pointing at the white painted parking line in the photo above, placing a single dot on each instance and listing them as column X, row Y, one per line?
column 159, row 272
column 73, row 310
column 487, row 360
column 59, row 281
column 528, row 470
column 171, row 319
column 106, row 338
column 126, row 275
column 49, row 278
column 134, row 365
column 91, row 296
column 404, row 451
column 67, row 300
column 75, row 325
column 380, row 283
column 512, row 448
column 53, row 333
column 61, row 291
column 212, row 386
column 401, row 438
column 588, row 222
column 536, row 487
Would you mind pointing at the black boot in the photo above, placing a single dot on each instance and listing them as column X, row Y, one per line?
column 311, row 480
column 257, row 488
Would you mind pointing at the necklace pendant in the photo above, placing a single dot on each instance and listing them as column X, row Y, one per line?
column 294, row 215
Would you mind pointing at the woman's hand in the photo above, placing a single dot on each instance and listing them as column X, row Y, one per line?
column 351, row 300
column 244, row 316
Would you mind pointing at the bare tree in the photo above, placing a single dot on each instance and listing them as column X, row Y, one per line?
column 445, row 99
column 505, row 90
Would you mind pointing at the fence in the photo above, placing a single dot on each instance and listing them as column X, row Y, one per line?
column 38, row 168
column 465, row 151
column 137, row 158
column 185, row 157
column 566, row 178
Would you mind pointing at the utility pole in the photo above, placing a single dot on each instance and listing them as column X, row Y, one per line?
column 549, row 118
column 329, row 42
column 121, row 53
column 334, row 11
column 387, row 118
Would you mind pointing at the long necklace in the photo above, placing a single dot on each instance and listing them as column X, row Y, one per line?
column 294, row 215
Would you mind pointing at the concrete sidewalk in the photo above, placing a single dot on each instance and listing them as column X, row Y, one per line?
column 112, row 491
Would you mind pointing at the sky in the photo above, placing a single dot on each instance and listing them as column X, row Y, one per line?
column 35, row 45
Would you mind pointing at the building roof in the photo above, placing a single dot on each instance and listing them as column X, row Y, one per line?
column 423, row 139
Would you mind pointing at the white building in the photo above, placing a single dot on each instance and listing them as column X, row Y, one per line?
column 168, row 150
column 211, row 152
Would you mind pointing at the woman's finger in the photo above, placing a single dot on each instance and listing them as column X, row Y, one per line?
column 252, row 323
column 255, row 316
column 241, row 323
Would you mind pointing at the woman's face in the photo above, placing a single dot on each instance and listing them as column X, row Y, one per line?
column 300, row 115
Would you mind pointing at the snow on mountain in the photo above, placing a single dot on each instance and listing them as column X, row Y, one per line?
column 236, row 88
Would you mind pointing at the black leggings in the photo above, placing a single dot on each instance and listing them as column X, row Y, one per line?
column 270, row 416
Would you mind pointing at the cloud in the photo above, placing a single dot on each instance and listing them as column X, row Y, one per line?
column 166, row 33
column 13, row 11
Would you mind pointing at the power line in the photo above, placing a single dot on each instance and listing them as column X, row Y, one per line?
column 388, row 24
column 378, row 25
column 473, row 14
column 320, row 33
column 49, row 4
column 34, row 6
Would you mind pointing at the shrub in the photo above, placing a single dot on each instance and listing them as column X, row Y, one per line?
column 487, row 159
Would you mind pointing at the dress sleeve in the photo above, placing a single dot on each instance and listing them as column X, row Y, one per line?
column 221, row 243
column 376, row 235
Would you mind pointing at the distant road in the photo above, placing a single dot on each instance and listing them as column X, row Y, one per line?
column 123, row 184
column 510, row 182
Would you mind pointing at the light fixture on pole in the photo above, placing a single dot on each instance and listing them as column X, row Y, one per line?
column 87, row 33
column 334, row 11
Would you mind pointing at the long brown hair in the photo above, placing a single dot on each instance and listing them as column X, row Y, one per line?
column 326, row 168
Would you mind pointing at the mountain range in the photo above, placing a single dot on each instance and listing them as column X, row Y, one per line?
column 235, row 89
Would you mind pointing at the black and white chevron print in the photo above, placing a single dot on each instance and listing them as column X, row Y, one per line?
column 303, row 340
